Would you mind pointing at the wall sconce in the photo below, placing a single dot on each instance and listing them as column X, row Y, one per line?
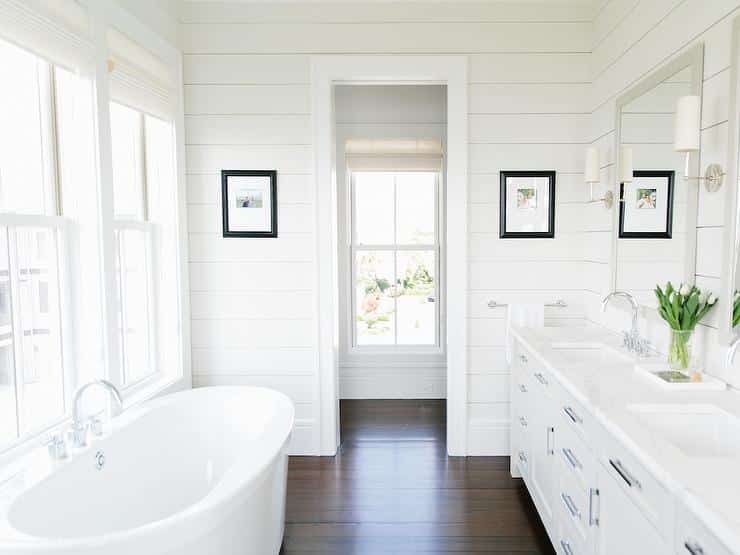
column 592, row 175
column 687, row 137
column 626, row 164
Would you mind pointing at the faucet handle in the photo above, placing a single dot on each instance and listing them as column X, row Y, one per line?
column 57, row 447
column 96, row 425
column 78, row 434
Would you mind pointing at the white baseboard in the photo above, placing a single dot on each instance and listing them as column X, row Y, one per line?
column 488, row 438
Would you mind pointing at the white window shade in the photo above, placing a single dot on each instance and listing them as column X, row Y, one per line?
column 394, row 154
column 138, row 78
column 56, row 30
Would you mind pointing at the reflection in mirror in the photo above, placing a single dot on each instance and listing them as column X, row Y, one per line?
column 730, row 323
column 654, row 243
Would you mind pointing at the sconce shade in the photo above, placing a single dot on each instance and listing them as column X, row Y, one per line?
column 686, row 125
column 592, row 173
column 626, row 167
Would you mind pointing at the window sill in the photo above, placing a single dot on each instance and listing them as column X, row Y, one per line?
column 16, row 456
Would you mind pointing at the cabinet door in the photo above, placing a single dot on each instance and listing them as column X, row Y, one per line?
column 543, row 465
column 623, row 528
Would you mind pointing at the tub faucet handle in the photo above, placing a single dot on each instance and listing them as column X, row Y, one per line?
column 57, row 447
column 96, row 424
column 78, row 434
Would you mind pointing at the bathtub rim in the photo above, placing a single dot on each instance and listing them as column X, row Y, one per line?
column 193, row 520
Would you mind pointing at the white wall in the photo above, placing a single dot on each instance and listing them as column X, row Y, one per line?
column 631, row 39
column 383, row 112
column 247, row 78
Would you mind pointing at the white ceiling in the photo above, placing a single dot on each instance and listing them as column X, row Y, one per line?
column 579, row 2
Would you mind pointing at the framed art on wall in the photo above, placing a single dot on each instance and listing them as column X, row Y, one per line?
column 527, row 204
column 646, row 205
column 249, row 203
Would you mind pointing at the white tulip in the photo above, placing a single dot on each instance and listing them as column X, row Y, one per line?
column 712, row 299
column 685, row 289
column 704, row 297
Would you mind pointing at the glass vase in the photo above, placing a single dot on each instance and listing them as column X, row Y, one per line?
column 680, row 350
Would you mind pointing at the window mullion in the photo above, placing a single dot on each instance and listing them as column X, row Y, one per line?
column 123, row 336
column 142, row 168
column 17, row 324
column 395, row 259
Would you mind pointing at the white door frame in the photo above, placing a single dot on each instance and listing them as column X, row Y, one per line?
column 326, row 71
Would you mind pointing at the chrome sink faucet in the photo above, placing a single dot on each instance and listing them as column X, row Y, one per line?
column 632, row 340
column 80, row 426
column 731, row 352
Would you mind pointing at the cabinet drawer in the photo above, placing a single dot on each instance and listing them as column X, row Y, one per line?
column 576, row 458
column 575, row 416
column 654, row 501
column 579, row 507
column 569, row 542
column 694, row 538
column 521, row 460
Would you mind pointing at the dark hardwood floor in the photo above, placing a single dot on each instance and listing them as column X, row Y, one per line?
column 392, row 489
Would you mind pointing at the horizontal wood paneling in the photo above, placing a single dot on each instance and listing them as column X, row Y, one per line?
column 384, row 38
column 631, row 40
column 247, row 96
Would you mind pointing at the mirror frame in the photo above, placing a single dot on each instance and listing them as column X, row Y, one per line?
column 731, row 243
column 692, row 58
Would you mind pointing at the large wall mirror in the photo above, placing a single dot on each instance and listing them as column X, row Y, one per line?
column 729, row 328
column 656, row 212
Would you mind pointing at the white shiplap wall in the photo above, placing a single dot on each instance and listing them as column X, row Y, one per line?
column 631, row 39
column 247, row 106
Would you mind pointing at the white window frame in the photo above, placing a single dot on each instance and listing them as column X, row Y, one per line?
column 152, row 324
column 142, row 224
column 411, row 350
column 62, row 229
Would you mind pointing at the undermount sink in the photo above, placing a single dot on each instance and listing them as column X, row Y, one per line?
column 696, row 430
column 588, row 353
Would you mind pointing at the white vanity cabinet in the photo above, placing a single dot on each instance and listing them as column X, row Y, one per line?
column 623, row 528
column 591, row 494
column 532, row 432
column 693, row 537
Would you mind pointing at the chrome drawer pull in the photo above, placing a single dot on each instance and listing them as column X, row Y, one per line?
column 572, row 509
column 625, row 474
column 573, row 415
column 693, row 547
column 523, row 421
column 566, row 547
column 593, row 507
column 523, row 359
column 574, row 462
column 541, row 378
column 522, row 388
column 550, row 448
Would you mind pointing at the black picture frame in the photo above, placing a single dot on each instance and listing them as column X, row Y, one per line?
column 225, row 175
column 670, row 176
column 504, row 233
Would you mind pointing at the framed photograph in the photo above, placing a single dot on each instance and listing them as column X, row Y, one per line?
column 249, row 203
column 527, row 204
column 646, row 205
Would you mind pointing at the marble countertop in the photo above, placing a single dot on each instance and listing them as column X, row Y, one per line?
column 708, row 486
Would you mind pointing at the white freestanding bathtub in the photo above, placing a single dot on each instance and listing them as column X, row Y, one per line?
column 202, row 472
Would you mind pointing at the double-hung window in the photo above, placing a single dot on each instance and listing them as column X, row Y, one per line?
column 133, row 245
column 395, row 252
column 35, row 368
column 143, row 173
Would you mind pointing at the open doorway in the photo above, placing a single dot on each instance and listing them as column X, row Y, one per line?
column 390, row 142
column 380, row 100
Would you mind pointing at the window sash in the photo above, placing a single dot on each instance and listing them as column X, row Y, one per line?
column 61, row 228
column 356, row 247
column 153, row 368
